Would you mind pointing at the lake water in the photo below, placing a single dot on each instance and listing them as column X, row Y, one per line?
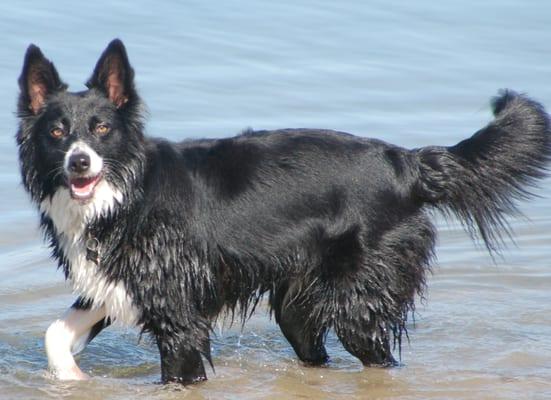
column 411, row 73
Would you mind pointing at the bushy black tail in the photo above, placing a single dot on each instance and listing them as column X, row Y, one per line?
column 480, row 178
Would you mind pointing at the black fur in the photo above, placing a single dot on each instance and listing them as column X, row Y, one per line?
column 86, row 304
column 332, row 227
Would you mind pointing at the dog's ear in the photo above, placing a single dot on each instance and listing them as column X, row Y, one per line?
column 113, row 75
column 38, row 80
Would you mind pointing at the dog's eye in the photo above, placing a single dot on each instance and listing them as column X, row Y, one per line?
column 102, row 129
column 57, row 133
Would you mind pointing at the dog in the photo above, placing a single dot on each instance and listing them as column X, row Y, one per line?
column 332, row 228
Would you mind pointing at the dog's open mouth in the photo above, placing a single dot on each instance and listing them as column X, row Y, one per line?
column 82, row 188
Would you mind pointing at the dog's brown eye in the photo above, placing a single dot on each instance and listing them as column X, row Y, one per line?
column 57, row 133
column 102, row 129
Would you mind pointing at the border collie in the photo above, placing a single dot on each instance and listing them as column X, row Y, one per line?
column 332, row 228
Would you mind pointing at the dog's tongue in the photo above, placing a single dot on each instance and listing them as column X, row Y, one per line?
column 83, row 187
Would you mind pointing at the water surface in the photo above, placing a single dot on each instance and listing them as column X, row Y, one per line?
column 411, row 73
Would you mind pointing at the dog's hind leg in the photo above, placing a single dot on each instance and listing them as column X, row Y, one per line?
column 306, row 338
column 352, row 294
column 366, row 339
column 63, row 336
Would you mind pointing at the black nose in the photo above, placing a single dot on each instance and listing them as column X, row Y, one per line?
column 79, row 162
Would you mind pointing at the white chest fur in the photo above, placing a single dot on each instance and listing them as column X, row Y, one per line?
column 70, row 219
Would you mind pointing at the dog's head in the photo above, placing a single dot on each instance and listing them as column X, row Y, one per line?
column 80, row 142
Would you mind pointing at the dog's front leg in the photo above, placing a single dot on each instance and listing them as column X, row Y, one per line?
column 72, row 330
column 179, row 362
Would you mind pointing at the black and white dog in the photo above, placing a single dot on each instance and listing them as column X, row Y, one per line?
column 168, row 236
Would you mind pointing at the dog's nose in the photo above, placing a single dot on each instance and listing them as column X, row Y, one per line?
column 79, row 162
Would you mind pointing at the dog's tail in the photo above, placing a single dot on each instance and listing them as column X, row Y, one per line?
column 480, row 178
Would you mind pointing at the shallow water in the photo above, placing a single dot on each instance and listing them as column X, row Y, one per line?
column 412, row 73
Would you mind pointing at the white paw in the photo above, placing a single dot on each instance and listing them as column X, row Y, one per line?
column 72, row 374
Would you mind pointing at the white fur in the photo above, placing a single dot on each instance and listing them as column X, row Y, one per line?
column 61, row 337
column 70, row 218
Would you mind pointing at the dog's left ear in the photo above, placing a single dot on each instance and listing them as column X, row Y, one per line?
column 113, row 75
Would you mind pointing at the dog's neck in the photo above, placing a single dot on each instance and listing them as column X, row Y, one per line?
column 72, row 222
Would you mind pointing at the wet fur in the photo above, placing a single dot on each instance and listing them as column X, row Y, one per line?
column 333, row 228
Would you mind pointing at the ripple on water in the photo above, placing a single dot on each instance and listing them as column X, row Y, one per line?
column 411, row 73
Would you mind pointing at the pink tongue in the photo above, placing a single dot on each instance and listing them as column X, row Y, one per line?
column 82, row 185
